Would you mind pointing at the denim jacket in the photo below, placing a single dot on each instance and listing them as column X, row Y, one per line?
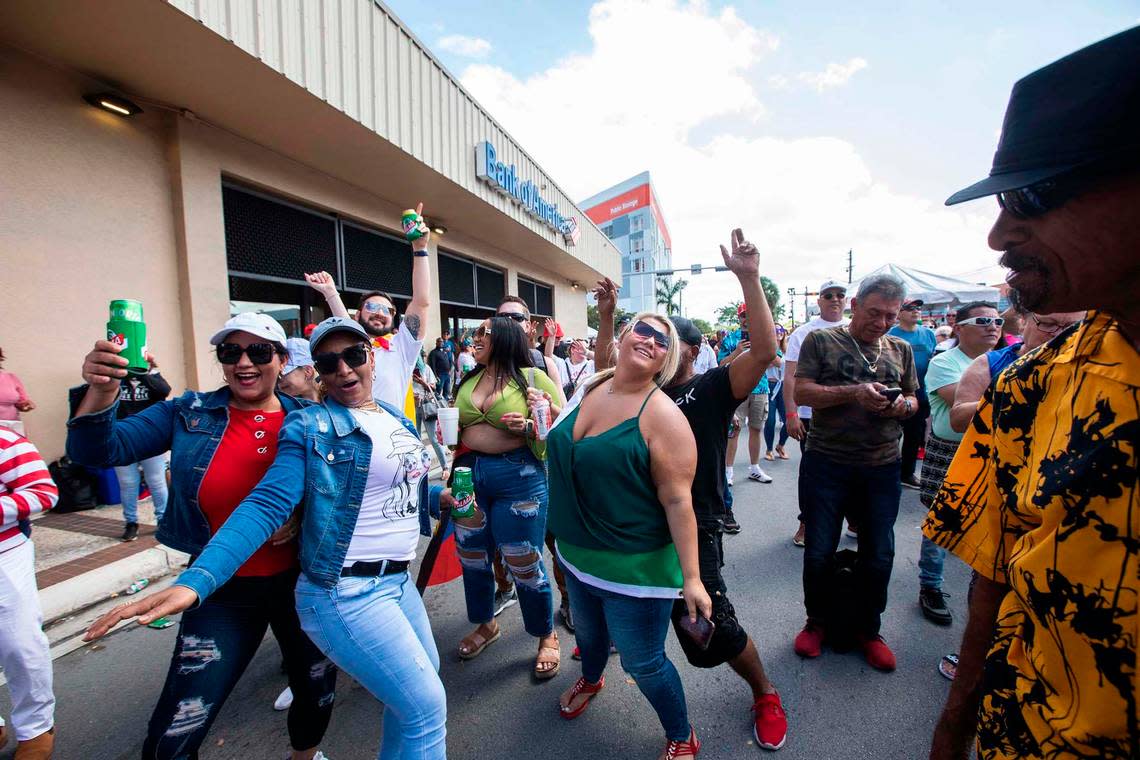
column 322, row 463
column 190, row 427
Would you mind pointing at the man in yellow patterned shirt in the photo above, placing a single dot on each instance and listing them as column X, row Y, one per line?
column 1043, row 499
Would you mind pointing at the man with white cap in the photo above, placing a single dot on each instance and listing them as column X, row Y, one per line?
column 832, row 299
column 299, row 378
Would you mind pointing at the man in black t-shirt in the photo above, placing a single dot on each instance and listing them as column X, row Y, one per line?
column 709, row 401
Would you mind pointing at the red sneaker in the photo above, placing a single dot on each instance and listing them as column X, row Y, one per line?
column 879, row 655
column 770, row 724
column 688, row 748
column 809, row 641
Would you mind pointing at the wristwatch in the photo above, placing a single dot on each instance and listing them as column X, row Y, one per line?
column 909, row 409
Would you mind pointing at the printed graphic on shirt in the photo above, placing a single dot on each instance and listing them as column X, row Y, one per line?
column 412, row 465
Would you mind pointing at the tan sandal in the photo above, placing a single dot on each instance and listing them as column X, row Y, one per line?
column 475, row 643
column 544, row 656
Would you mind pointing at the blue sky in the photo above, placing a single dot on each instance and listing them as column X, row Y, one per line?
column 911, row 115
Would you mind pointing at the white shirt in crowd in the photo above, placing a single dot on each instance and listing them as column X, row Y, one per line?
column 394, row 367
column 706, row 359
column 796, row 341
column 388, row 526
column 466, row 363
column 578, row 373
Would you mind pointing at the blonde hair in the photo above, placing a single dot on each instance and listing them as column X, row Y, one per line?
column 672, row 354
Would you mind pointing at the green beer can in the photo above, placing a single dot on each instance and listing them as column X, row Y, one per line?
column 464, row 492
column 126, row 328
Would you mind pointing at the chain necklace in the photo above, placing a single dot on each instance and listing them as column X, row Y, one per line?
column 871, row 365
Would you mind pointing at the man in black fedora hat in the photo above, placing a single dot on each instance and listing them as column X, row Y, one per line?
column 1042, row 498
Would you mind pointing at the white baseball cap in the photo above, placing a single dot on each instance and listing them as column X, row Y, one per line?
column 299, row 354
column 261, row 325
column 832, row 285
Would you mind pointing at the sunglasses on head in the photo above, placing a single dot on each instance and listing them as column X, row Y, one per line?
column 329, row 362
column 981, row 321
column 833, row 296
column 258, row 353
column 646, row 330
column 520, row 318
column 376, row 306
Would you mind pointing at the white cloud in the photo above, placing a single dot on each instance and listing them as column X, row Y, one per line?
column 657, row 70
column 468, row 47
column 835, row 75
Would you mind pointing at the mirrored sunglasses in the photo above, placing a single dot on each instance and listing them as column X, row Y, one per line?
column 982, row 321
column 329, row 362
column 375, row 306
column 258, row 353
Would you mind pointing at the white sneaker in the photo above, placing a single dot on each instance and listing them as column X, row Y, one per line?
column 759, row 475
column 728, row 475
column 284, row 701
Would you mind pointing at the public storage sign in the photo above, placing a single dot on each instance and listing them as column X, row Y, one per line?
column 505, row 179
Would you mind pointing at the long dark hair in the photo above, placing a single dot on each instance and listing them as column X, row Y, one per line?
column 510, row 351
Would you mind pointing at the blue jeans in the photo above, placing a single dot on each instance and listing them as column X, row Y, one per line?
column 377, row 631
column 216, row 642
column 830, row 490
column 637, row 627
column 154, row 469
column 510, row 491
column 775, row 406
column 931, row 560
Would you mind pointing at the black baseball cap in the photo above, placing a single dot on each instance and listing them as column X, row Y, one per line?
column 1075, row 112
column 686, row 330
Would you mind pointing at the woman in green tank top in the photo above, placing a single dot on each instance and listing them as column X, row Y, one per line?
column 621, row 471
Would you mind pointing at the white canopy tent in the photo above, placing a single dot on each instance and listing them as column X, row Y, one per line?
column 934, row 290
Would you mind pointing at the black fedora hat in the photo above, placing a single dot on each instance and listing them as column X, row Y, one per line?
column 1077, row 111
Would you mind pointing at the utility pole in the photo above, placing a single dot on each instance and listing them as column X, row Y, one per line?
column 850, row 265
column 806, row 293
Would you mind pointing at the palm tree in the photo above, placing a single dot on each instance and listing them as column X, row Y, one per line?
column 669, row 295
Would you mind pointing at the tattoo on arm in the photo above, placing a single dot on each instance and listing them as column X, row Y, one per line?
column 412, row 322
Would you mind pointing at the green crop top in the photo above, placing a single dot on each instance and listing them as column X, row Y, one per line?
column 512, row 399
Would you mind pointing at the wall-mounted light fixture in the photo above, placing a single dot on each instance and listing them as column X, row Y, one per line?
column 438, row 228
column 113, row 104
column 574, row 285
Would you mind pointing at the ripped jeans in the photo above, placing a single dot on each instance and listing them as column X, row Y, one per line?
column 215, row 644
column 510, row 491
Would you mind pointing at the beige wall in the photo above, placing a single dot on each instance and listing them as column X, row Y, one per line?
column 95, row 207
column 85, row 217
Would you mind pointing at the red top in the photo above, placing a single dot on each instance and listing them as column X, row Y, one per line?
column 246, row 450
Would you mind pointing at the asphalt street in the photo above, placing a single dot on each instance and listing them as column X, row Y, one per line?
column 838, row 707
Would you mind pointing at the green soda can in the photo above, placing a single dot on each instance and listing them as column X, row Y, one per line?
column 464, row 492
column 413, row 224
column 126, row 328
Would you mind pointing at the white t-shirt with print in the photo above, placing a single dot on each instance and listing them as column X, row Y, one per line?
column 796, row 340
column 394, row 367
column 578, row 373
column 388, row 526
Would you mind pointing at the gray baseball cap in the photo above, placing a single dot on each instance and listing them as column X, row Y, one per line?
column 337, row 324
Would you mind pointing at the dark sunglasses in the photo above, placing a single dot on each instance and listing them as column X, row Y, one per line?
column 520, row 318
column 833, row 296
column 648, row 331
column 258, row 353
column 328, row 362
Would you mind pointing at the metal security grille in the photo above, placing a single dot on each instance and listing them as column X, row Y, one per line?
column 490, row 286
column 268, row 238
column 456, row 281
column 374, row 261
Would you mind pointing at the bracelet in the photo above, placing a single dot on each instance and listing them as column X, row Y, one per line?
column 420, row 253
column 793, row 413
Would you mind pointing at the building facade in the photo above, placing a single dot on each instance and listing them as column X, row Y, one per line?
column 274, row 139
column 630, row 216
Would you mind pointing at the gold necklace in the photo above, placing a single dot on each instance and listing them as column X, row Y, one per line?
column 873, row 366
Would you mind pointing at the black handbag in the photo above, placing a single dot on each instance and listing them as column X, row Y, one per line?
column 430, row 407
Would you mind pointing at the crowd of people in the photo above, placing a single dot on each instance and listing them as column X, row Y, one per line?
column 301, row 487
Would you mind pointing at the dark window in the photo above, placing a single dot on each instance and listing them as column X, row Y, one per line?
column 374, row 261
column 608, row 230
column 490, row 286
column 273, row 239
column 620, row 227
column 526, row 293
column 456, row 281
column 539, row 298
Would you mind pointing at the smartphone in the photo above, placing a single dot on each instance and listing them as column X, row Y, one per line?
column 700, row 632
column 892, row 394
column 744, row 335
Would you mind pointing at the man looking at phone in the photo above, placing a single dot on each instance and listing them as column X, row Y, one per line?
column 709, row 400
column 977, row 327
column 860, row 383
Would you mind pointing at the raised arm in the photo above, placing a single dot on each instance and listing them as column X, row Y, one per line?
column 606, row 295
column 322, row 282
column 415, row 318
column 673, row 464
column 747, row 368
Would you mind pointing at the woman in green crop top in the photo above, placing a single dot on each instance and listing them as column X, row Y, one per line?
column 507, row 461
column 621, row 473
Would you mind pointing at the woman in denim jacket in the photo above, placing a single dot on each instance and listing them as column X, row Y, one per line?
column 221, row 443
column 360, row 473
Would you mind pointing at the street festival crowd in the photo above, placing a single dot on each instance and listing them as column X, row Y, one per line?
column 301, row 489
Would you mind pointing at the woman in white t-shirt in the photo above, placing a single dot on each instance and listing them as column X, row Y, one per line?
column 580, row 368
column 360, row 471
column 466, row 358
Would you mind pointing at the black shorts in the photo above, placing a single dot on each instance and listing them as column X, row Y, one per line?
column 729, row 639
